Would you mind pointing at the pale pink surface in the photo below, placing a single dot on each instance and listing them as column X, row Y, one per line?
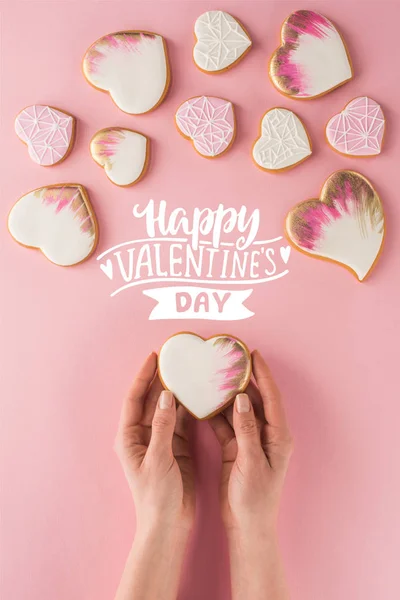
column 358, row 129
column 69, row 351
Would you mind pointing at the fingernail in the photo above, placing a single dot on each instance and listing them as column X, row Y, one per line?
column 242, row 403
column 166, row 399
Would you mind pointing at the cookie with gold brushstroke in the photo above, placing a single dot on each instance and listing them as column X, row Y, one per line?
column 58, row 220
column 312, row 59
column 132, row 66
column 122, row 153
column 204, row 375
column 345, row 225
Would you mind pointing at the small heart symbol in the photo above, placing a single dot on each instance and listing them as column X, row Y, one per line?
column 58, row 220
column 346, row 225
column 221, row 41
column 209, row 122
column 285, row 253
column 357, row 130
column 122, row 153
column 48, row 132
column 204, row 375
column 312, row 59
column 283, row 142
column 107, row 268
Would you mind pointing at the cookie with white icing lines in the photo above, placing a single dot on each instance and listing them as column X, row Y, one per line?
column 312, row 59
column 122, row 153
column 204, row 375
column 221, row 41
column 48, row 133
column 58, row 220
column 209, row 122
column 346, row 225
column 132, row 66
column 283, row 142
column 359, row 129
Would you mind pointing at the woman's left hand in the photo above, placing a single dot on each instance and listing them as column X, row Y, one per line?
column 153, row 447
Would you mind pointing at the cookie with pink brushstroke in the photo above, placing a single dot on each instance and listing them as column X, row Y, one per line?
column 312, row 59
column 132, row 66
column 48, row 133
column 358, row 130
column 58, row 220
column 205, row 375
column 123, row 154
column 346, row 225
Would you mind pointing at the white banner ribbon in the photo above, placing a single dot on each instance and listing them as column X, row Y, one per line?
column 192, row 302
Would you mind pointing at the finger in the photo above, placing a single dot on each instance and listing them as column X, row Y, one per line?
column 183, row 422
column 150, row 403
column 256, row 400
column 273, row 407
column 163, row 425
column 245, row 426
column 132, row 407
column 223, row 431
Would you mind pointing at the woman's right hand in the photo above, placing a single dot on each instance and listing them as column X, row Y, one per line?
column 256, row 446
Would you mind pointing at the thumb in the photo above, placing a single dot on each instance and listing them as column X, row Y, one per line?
column 245, row 426
column 163, row 424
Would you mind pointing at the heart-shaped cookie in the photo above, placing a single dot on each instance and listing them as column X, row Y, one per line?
column 132, row 66
column 209, row 122
column 358, row 130
column 122, row 153
column 204, row 375
column 312, row 59
column 346, row 225
column 58, row 220
column 48, row 132
column 221, row 41
column 283, row 143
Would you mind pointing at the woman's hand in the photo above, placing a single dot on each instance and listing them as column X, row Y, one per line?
column 256, row 446
column 152, row 445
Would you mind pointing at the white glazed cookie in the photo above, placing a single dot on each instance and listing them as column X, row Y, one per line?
column 204, row 375
column 359, row 129
column 221, row 41
column 283, row 142
column 132, row 66
column 312, row 59
column 58, row 220
column 345, row 225
column 209, row 122
column 122, row 153
column 48, row 133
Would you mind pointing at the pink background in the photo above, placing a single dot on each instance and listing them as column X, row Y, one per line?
column 69, row 351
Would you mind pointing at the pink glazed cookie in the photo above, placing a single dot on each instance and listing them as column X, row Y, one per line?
column 47, row 131
column 359, row 129
column 204, row 375
column 312, row 59
column 209, row 122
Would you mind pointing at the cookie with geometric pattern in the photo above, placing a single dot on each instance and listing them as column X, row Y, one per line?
column 47, row 131
column 359, row 129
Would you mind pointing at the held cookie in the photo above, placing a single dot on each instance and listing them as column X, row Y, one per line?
column 204, row 375
column 132, row 66
column 47, row 131
column 221, row 42
column 58, row 220
column 122, row 153
column 283, row 143
column 346, row 225
column 359, row 129
column 209, row 122
column 312, row 59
